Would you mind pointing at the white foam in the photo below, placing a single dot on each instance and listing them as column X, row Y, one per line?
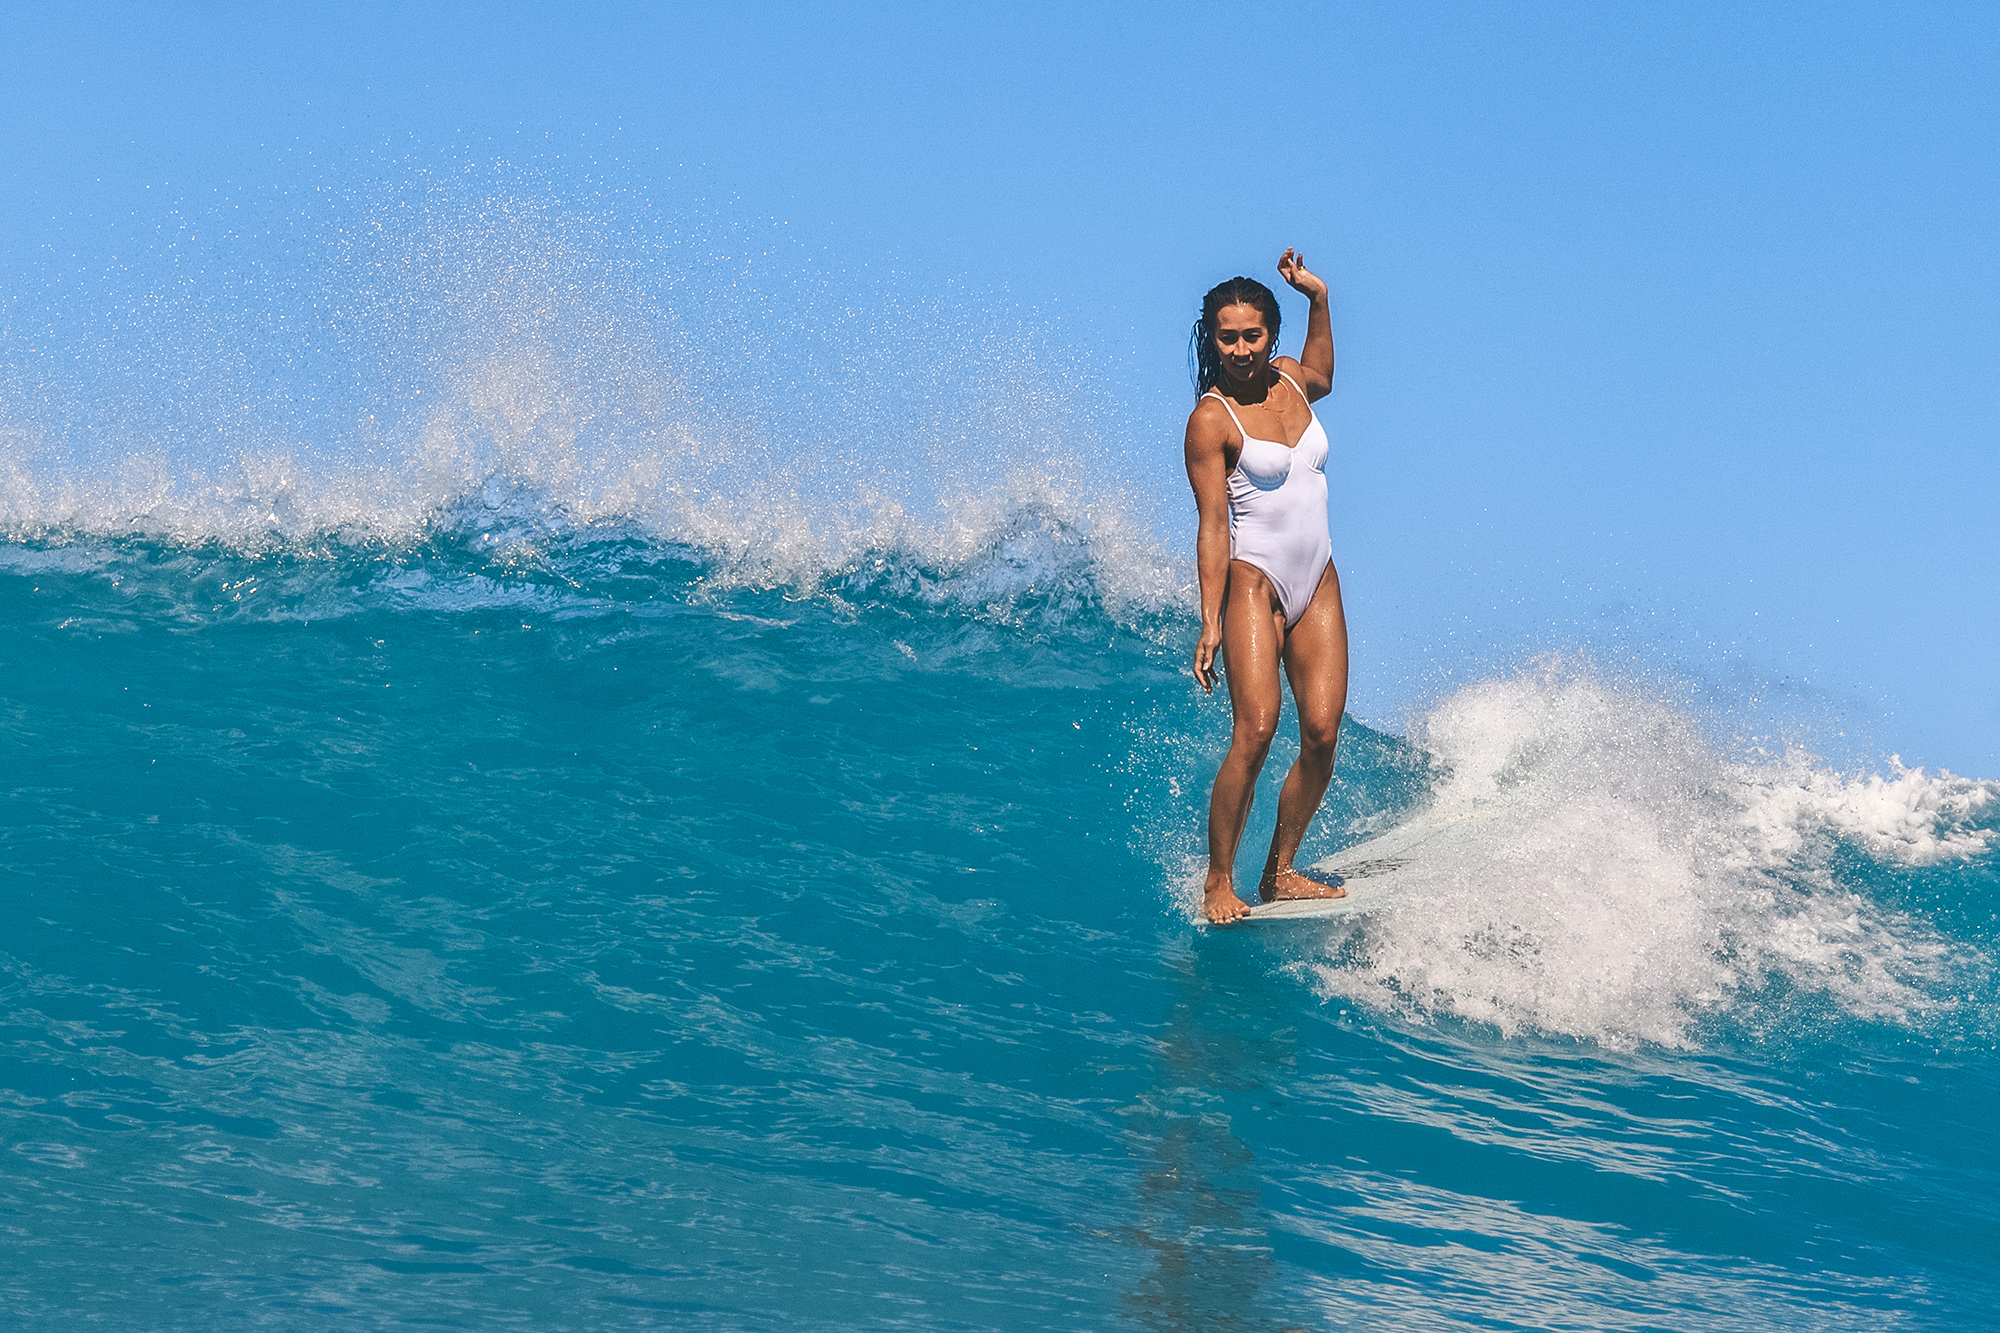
column 1628, row 883
column 1910, row 817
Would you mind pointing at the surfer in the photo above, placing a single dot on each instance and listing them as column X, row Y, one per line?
column 1256, row 456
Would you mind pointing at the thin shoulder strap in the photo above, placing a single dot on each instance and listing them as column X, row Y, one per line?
column 1223, row 398
column 1295, row 386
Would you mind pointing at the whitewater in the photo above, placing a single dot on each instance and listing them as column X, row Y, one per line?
column 569, row 769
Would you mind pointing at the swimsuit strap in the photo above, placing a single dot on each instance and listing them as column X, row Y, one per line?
column 1223, row 398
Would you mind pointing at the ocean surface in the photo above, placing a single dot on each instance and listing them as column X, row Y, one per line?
column 504, row 828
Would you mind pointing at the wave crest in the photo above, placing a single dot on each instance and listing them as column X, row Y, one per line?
column 464, row 361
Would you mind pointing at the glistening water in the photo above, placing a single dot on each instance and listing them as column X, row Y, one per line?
column 509, row 825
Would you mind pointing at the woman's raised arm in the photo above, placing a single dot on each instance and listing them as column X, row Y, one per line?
column 1316, row 358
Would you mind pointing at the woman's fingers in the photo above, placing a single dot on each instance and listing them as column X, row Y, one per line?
column 1204, row 667
column 1292, row 267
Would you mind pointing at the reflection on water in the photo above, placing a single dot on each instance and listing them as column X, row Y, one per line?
column 1200, row 1212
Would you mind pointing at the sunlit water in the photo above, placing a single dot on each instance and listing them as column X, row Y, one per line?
column 579, row 853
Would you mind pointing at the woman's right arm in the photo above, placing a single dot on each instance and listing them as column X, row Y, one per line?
column 1208, row 473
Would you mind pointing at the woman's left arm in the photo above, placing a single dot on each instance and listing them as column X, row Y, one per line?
column 1316, row 358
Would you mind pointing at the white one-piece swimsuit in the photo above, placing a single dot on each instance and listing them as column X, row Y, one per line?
column 1277, row 509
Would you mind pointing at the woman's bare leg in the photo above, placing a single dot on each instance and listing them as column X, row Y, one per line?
column 1253, row 639
column 1315, row 655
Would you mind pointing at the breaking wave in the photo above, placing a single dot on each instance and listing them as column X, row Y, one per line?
column 1625, row 880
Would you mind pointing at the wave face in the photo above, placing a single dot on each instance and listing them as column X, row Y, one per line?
column 629, row 839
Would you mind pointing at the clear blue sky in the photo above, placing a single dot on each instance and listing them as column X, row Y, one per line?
column 1677, row 321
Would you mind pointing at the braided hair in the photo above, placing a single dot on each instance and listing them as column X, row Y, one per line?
column 1204, row 362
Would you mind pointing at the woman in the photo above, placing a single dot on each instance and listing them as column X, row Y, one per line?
column 1256, row 455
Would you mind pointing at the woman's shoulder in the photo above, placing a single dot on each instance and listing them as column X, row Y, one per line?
column 1209, row 426
column 1207, row 408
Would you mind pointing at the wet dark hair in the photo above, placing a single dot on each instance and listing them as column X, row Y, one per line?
column 1204, row 362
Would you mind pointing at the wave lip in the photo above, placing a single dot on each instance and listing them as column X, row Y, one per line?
column 1618, row 880
column 1024, row 555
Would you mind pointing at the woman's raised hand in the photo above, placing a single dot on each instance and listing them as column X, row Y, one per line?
column 1292, row 268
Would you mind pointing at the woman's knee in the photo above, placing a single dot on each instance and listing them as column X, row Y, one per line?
column 1254, row 732
column 1319, row 735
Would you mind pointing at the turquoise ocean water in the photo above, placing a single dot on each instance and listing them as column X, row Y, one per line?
column 503, row 829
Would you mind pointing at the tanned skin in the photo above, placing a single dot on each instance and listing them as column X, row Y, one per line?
column 1241, row 616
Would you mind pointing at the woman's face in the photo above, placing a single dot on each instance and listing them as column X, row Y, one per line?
column 1242, row 341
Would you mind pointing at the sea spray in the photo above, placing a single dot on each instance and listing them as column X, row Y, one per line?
column 1630, row 883
column 367, row 364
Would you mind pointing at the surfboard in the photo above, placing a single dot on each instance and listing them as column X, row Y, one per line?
column 1375, row 872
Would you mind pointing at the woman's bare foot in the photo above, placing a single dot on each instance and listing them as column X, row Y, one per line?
column 1289, row 883
column 1219, row 901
